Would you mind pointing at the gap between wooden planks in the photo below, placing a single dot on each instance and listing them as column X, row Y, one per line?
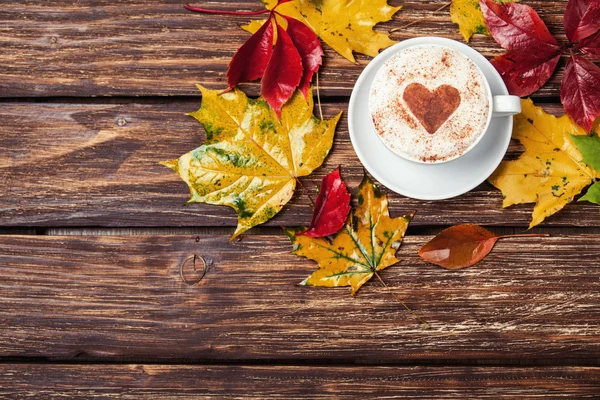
column 115, row 298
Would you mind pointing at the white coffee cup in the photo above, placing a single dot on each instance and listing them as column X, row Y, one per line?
column 499, row 105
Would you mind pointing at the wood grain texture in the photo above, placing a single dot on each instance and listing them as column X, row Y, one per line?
column 116, row 298
column 155, row 47
column 97, row 165
column 134, row 381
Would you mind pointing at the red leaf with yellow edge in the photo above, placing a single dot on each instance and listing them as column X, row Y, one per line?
column 461, row 246
column 331, row 208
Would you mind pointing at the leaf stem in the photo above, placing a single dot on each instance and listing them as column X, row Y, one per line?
column 414, row 314
column 319, row 96
column 224, row 12
column 305, row 190
column 525, row 235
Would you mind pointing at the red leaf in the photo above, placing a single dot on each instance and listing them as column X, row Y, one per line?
column 462, row 246
column 309, row 47
column 331, row 208
column 283, row 73
column 590, row 46
column 250, row 61
column 517, row 27
column 582, row 19
column 579, row 91
column 533, row 52
column 524, row 75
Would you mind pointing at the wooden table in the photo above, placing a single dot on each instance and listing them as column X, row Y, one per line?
column 94, row 232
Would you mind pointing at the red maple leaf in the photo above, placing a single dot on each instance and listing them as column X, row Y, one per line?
column 331, row 208
column 533, row 53
column 284, row 67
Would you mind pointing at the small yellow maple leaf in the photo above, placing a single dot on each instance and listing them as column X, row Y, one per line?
column 345, row 25
column 367, row 244
column 550, row 172
column 251, row 160
column 469, row 18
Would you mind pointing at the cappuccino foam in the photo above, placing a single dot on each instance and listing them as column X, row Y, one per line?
column 429, row 103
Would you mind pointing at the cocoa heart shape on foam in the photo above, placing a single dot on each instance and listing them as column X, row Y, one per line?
column 432, row 109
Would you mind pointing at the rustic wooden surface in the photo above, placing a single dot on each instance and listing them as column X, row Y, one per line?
column 93, row 233
column 107, row 298
column 98, row 164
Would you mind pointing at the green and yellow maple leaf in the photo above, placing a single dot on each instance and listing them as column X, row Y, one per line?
column 251, row 160
column 367, row 244
column 589, row 146
column 551, row 171
column 345, row 25
column 469, row 18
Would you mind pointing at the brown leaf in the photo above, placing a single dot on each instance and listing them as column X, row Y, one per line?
column 462, row 246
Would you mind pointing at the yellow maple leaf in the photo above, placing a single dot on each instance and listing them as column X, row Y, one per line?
column 367, row 244
column 550, row 172
column 469, row 18
column 251, row 160
column 345, row 25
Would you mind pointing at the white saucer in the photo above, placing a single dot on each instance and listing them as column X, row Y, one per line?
column 426, row 181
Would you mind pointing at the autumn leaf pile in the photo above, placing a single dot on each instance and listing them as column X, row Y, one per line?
column 256, row 150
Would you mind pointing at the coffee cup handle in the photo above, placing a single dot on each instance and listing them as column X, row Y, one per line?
column 503, row 106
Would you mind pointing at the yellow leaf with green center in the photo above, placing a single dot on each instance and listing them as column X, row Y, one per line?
column 469, row 18
column 550, row 172
column 251, row 160
column 345, row 25
column 367, row 244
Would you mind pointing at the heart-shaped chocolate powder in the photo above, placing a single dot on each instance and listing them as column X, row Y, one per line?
column 432, row 109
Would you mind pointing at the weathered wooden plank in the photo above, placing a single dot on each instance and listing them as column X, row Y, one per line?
column 155, row 47
column 122, row 298
column 97, row 165
column 49, row 381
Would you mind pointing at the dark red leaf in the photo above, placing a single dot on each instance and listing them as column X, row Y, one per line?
column 283, row 73
column 250, row 61
column 524, row 74
column 517, row 27
column 579, row 91
column 533, row 52
column 590, row 46
column 331, row 208
column 309, row 47
column 582, row 19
